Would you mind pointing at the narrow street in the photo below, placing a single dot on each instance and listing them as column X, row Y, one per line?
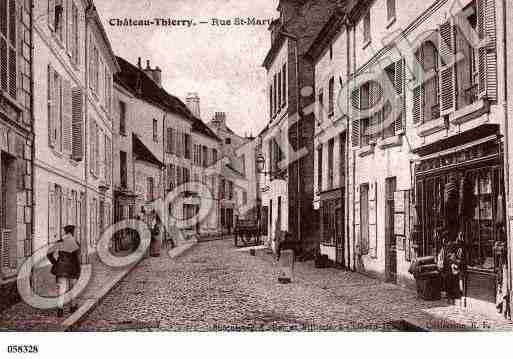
column 214, row 287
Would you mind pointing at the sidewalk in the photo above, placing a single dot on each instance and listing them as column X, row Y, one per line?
column 399, row 306
column 22, row 317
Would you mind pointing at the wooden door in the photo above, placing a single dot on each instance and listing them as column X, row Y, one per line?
column 339, row 234
column 390, row 242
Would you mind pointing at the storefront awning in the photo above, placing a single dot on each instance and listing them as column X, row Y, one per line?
column 474, row 134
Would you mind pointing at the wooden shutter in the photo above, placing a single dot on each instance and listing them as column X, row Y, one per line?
column 52, row 214
column 92, row 139
column 487, row 55
column 52, row 128
column 57, row 110
column 447, row 73
column 418, row 104
column 399, row 88
column 77, row 118
column 108, row 160
column 66, row 117
column 355, row 126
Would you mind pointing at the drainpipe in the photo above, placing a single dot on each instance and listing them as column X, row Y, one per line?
column 32, row 130
column 347, row 145
column 354, row 160
column 506, row 145
column 86, row 131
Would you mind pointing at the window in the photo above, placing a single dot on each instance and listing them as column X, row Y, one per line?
column 60, row 18
column 170, row 146
column 366, row 28
column 222, row 188
column 426, row 98
column 214, row 155
column 228, row 141
column 320, row 107
column 331, row 146
column 8, row 28
column 243, row 164
column 155, row 131
column 187, row 144
column 319, row 168
column 150, row 189
column 278, row 211
column 342, row 158
column 284, row 85
column 204, row 150
column 331, row 100
column 74, row 34
column 390, row 10
column 123, row 169
column 244, row 198
column 64, row 114
column 122, row 118
column 230, row 190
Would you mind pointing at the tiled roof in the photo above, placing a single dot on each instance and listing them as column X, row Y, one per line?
column 137, row 82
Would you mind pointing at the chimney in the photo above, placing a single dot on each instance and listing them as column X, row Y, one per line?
column 220, row 118
column 193, row 103
column 139, row 63
column 154, row 74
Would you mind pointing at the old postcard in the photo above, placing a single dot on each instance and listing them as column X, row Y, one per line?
column 255, row 166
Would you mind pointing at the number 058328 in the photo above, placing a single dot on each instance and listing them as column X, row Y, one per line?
column 22, row 349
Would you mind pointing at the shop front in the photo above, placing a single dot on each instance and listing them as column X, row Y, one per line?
column 460, row 198
column 332, row 225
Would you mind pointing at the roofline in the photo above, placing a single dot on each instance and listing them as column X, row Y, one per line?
column 92, row 12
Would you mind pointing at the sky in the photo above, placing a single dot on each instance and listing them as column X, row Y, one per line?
column 223, row 64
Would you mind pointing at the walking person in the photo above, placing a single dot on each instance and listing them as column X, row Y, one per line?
column 156, row 235
column 65, row 259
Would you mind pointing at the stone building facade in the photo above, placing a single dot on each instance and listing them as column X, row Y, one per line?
column 288, row 184
column 16, row 143
column 444, row 128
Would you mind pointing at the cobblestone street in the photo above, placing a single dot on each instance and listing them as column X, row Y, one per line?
column 214, row 287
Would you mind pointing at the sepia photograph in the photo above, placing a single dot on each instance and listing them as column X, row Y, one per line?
column 256, row 167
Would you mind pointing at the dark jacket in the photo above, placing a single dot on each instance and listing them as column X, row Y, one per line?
column 67, row 265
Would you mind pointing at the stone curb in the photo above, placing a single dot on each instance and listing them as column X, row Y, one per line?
column 73, row 320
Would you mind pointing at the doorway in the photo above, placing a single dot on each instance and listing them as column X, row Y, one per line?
column 390, row 242
column 339, row 235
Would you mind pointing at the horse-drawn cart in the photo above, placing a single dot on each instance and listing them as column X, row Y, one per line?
column 247, row 233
